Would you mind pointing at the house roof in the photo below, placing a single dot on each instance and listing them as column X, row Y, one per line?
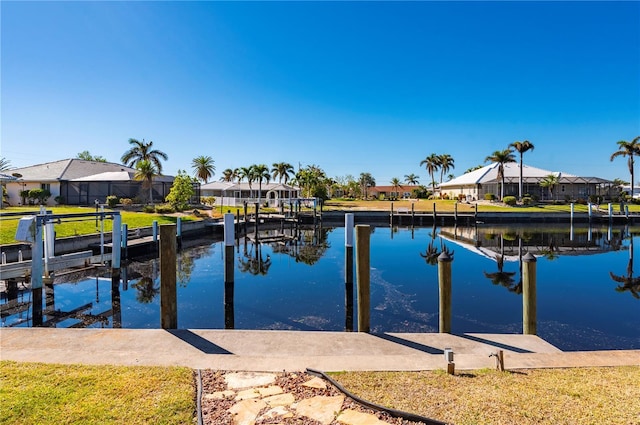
column 118, row 176
column 489, row 174
column 227, row 186
column 67, row 169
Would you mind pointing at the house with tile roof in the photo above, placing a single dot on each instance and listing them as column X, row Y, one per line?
column 79, row 182
column 475, row 184
column 236, row 194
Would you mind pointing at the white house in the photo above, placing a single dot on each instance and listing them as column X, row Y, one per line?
column 236, row 194
column 475, row 184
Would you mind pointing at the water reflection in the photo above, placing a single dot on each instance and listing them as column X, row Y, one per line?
column 628, row 282
column 300, row 282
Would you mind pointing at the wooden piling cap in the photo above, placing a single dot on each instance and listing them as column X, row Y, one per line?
column 444, row 257
column 529, row 257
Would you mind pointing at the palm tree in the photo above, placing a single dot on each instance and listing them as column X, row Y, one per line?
column 203, row 167
column 521, row 147
column 446, row 164
column 411, row 179
column 366, row 180
column 501, row 158
column 395, row 182
column 549, row 182
column 146, row 171
column 629, row 149
column 282, row 170
column 228, row 175
column 260, row 173
column 432, row 164
column 246, row 173
column 141, row 151
column 5, row 164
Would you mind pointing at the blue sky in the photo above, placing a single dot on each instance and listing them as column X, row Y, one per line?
column 350, row 86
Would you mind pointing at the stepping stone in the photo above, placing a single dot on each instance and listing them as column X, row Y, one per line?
column 321, row 408
column 247, row 394
column 220, row 395
column 245, row 412
column 240, row 380
column 269, row 391
column 277, row 412
column 352, row 417
column 316, row 383
column 280, row 400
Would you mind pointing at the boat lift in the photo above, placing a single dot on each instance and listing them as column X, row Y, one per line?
column 31, row 229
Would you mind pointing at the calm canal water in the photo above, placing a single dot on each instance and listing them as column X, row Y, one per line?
column 587, row 287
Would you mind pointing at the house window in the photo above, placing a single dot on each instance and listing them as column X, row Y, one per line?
column 237, row 194
column 45, row 186
column 563, row 188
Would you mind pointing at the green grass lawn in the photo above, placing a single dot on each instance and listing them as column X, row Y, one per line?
column 35, row 393
column 84, row 226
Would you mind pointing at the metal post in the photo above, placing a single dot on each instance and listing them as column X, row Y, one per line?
column 589, row 211
column 572, row 211
column 444, row 285
column 229, row 231
column 348, row 270
column 125, row 240
column 363, row 277
column 102, row 234
column 413, row 214
column 36, row 256
column 529, row 320
column 116, row 242
column 168, row 293
column 392, row 214
column 610, row 209
column 455, row 212
column 179, row 232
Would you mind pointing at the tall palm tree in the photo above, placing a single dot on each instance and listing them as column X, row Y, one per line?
column 629, row 149
column 501, row 158
column 260, row 173
column 5, row 164
column 411, row 179
column 146, row 171
column 142, row 151
column 282, row 170
column 228, row 175
column 432, row 164
column 549, row 182
column 203, row 167
column 521, row 147
column 395, row 183
column 246, row 173
column 366, row 180
column 446, row 164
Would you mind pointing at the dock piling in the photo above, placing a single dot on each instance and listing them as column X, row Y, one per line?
column 444, row 286
column 363, row 276
column 168, row 293
column 529, row 320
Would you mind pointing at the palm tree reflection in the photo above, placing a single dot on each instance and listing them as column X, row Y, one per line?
column 501, row 277
column 431, row 254
column 628, row 282
column 147, row 290
column 253, row 262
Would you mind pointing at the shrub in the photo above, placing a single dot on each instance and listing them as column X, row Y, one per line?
column 489, row 197
column 165, row 209
column 527, row 200
column 59, row 200
column 462, row 197
column 208, row 200
column 594, row 199
column 126, row 201
column 112, row 201
column 39, row 195
column 181, row 191
column 509, row 200
column 445, row 196
column 149, row 209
